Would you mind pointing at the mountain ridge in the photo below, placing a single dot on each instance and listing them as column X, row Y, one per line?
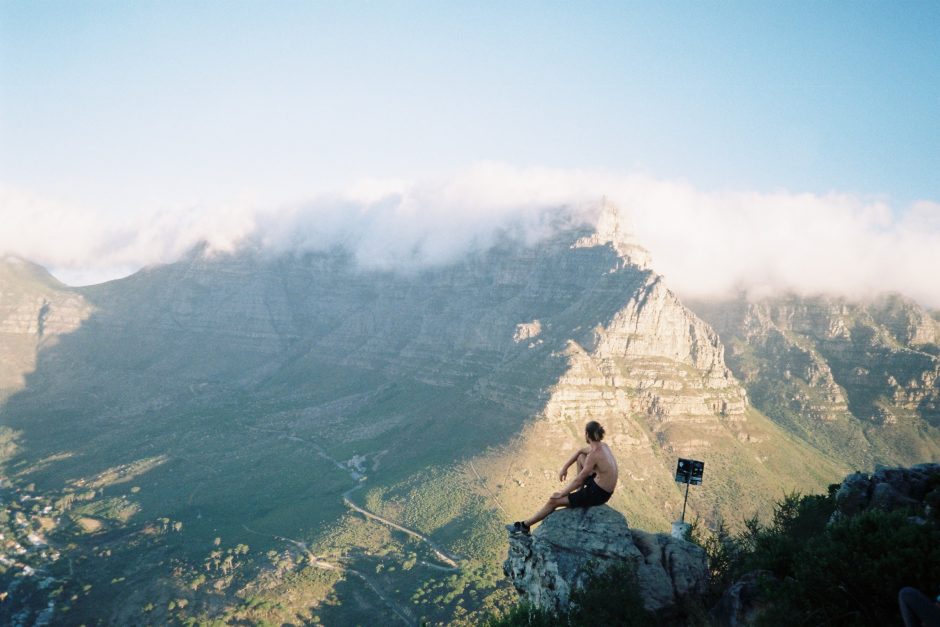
column 261, row 382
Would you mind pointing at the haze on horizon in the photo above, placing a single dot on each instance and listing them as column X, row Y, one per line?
column 751, row 146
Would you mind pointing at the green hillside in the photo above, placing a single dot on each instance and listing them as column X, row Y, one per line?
column 252, row 438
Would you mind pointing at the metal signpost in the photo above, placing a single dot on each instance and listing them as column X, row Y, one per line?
column 689, row 472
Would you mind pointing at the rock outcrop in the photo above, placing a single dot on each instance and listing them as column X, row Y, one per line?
column 557, row 558
column 916, row 488
column 743, row 601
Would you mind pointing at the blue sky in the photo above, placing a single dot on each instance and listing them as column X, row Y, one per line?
column 766, row 145
column 138, row 104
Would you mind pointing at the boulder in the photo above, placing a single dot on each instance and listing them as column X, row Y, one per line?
column 742, row 601
column 547, row 566
column 887, row 489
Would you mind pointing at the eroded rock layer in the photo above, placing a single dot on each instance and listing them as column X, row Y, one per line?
column 861, row 381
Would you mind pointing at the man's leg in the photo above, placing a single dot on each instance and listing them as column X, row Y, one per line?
column 550, row 506
column 581, row 458
column 917, row 609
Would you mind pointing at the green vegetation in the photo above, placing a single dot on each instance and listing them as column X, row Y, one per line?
column 185, row 451
column 847, row 572
column 810, row 570
column 610, row 597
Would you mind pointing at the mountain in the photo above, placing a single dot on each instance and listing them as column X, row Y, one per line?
column 35, row 309
column 859, row 380
column 293, row 438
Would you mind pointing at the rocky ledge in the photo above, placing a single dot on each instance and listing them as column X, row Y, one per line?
column 916, row 489
column 548, row 565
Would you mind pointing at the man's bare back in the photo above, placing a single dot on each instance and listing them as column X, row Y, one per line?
column 601, row 461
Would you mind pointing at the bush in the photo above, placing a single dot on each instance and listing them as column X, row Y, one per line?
column 723, row 551
column 851, row 573
column 847, row 573
column 525, row 615
column 610, row 597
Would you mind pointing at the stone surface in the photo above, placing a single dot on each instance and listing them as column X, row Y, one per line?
column 888, row 489
column 859, row 380
column 549, row 565
column 613, row 229
column 741, row 602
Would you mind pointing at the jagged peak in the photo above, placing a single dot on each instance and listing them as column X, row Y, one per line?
column 614, row 229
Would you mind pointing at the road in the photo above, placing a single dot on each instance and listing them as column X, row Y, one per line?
column 404, row 613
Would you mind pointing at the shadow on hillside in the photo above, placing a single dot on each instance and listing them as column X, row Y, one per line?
column 176, row 360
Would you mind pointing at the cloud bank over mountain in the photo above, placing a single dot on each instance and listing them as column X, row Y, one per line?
column 707, row 243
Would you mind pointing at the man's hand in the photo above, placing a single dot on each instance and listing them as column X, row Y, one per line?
column 563, row 473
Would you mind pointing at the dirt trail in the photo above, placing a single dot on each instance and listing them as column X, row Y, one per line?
column 405, row 614
column 452, row 561
column 438, row 552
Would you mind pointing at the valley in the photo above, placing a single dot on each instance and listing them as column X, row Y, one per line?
column 292, row 439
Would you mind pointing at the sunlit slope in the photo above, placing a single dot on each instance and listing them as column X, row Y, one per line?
column 267, row 388
column 859, row 380
column 655, row 377
column 207, row 430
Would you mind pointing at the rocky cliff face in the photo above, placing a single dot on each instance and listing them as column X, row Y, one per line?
column 235, row 368
column 35, row 309
column 859, row 380
column 557, row 558
column 654, row 375
column 667, row 360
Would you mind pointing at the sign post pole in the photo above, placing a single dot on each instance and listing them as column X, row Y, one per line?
column 688, row 471
column 687, row 484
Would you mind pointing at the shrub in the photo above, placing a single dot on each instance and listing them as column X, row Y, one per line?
column 609, row 597
column 796, row 518
column 851, row 573
column 846, row 573
column 525, row 615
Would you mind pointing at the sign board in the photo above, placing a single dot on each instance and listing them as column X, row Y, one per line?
column 690, row 471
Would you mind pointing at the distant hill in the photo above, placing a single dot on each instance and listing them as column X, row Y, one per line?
column 189, row 441
column 35, row 309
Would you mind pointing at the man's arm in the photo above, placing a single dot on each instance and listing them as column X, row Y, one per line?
column 574, row 457
column 577, row 482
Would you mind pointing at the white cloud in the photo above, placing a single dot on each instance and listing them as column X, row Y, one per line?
column 707, row 243
column 81, row 245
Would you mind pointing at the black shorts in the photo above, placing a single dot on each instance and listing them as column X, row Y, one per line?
column 589, row 495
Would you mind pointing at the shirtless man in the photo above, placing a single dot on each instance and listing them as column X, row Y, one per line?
column 595, row 483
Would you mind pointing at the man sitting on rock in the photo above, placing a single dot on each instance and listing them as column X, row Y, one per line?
column 597, row 477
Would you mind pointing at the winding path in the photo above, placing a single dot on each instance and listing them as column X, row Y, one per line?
column 439, row 553
column 403, row 613
column 452, row 561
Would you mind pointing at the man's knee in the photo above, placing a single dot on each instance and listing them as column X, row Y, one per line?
column 581, row 458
